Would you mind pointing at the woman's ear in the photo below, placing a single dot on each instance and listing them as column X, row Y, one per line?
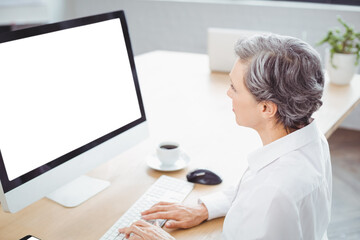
column 268, row 109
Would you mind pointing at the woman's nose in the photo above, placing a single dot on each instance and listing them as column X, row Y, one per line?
column 228, row 93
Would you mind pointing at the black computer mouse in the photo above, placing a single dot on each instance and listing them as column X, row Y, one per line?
column 203, row 176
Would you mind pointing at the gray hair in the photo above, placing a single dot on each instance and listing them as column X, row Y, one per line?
column 285, row 71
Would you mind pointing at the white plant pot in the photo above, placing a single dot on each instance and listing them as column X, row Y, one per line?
column 345, row 67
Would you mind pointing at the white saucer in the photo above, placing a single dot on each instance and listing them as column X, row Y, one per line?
column 153, row 162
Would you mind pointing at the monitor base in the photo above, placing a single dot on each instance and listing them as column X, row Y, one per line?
column 78, row 191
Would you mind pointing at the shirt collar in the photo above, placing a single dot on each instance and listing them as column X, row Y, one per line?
column 262, row 157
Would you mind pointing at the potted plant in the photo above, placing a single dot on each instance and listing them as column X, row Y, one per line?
column 342, row 59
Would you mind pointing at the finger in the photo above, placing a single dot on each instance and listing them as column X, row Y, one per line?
column 160, row 215
column 126, row 231
column 132, row 229
column 157, row 207
column 123, row 231
column 177, row 224
column 165, row 203
column 134, row 237
column 142, row 223
column 171, row 224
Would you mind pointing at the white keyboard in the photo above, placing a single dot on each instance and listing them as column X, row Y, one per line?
column 166, row 188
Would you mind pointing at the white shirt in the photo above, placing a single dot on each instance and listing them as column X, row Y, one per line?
column 284, row 194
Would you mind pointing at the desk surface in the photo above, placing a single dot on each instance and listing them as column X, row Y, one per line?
column 186, row 103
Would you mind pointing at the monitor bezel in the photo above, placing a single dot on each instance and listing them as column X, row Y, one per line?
column 8, row 185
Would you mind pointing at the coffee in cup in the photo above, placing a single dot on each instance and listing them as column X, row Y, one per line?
column 168, row 152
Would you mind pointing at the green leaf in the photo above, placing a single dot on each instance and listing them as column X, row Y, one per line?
column 347, row 41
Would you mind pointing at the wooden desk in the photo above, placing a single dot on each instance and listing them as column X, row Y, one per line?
column 338, row 103
column 183, row 102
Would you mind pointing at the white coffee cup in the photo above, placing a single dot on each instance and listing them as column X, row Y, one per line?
column 168, row 152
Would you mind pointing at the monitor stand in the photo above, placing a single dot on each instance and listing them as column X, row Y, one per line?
column 78, row 191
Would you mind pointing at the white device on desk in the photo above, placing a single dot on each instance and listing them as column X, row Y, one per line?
column 221, row 42
column 164, row 189
column 69, row 101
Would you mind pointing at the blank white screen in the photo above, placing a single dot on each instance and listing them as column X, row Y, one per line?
column 61, row 90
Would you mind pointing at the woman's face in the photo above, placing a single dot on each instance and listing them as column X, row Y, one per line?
column 246, row 108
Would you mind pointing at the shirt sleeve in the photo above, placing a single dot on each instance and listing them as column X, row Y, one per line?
column 267, row 214
column 219, row 203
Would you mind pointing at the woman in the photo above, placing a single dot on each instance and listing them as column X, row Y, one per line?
column 276, row 86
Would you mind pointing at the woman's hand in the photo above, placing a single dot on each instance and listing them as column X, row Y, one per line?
column 145, row 231
column 179, row 216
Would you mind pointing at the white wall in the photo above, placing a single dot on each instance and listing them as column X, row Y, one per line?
column 23, row 12
column 56, row 10
column 182, row 26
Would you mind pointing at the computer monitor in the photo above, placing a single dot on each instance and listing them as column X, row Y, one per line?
column 69, row 101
